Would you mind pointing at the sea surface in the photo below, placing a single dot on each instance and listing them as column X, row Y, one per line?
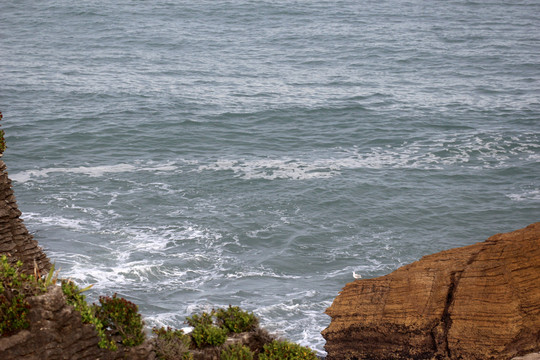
column 195, row 154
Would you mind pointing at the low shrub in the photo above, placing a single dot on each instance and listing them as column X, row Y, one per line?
column 204, row 318
column 236, row 320
column 236, row 352
column 171, row 344
column 285, row 350
column 120, row 317
column 208, row 335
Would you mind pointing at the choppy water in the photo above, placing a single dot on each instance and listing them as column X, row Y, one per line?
column 196, row 154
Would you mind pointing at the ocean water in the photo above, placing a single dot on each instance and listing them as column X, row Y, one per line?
column 194, row 154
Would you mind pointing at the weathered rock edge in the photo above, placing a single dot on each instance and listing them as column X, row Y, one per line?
column 15, row 240
column 476, row 302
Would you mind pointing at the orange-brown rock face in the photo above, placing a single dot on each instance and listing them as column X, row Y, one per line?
column 15, row 241
column 477, row 302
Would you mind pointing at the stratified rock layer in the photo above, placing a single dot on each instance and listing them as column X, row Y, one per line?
column 477, row 302
column 15, row 241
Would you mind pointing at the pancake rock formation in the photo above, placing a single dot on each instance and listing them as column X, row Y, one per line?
column 15, row 240
column 476, row 302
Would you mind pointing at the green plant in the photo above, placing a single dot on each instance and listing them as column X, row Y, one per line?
column 172, row 344
column 285, row 350
column 202, row 319
column 15, row 288
column 78, row 301
column 120, row 317
column 236, row 320
column 236, row 352
column 208, row 335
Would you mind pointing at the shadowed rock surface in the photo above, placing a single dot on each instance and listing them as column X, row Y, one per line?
column 15, row 240
column 476, row 302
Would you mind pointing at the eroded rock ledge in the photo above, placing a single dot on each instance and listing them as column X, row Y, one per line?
column 476, row 302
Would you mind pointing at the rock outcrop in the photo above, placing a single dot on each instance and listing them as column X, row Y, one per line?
column 15, row 240
column 476, row 302
column 57, row 332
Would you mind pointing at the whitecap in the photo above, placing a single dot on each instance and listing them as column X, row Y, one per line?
column 92, row 171
column 527, row 195
column 63, row 222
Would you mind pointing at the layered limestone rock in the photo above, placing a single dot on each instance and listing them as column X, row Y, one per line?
column 15, row 240
column 477, row 302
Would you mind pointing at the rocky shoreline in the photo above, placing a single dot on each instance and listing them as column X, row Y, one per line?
column 476, row 302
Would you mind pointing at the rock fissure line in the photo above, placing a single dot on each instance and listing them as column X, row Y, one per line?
column 446, row 319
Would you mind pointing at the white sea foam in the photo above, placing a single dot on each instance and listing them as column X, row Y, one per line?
column 436, row 153
column 92, row 171
column 527, row 195
column 271, row 169
column 261, row 272
column 287, row 316
column 63, row 222
column 471, row 150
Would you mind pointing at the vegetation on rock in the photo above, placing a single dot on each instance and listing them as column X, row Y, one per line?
column 212, row 328
column 172, row 344
column 114, row 317
column 117, row 320
column 285, row 350
column 78, row 301
column 236, row 320
column 237, row 352
column 15, row 288
column 121, row 318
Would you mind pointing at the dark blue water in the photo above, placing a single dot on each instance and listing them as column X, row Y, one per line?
column 255, row 153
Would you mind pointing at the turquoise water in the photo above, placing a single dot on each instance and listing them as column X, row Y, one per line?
column 255, row 153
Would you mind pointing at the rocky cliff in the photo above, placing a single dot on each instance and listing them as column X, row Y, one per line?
column 15, row 241
column 477, row 302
